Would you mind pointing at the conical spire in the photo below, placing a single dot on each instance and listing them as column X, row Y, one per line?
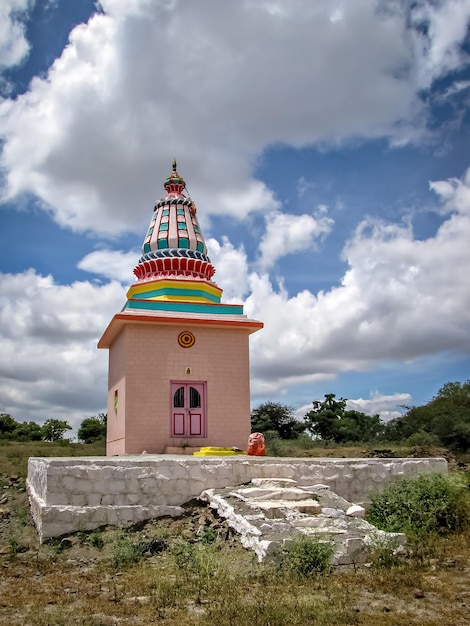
column 174, row 245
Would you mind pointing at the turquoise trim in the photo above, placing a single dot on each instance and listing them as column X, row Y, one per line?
column 183, row 242
column 163, row 226
column 200, row 246
column 162, row 243
column 180, row 211
column 165, row 212
column 184, row 307
column 182, row 226
column 175, row 291
column 146, row 247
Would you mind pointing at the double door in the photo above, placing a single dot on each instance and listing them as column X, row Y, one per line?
column 188, row 412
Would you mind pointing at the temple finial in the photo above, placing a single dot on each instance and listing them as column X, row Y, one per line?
column 174, row 164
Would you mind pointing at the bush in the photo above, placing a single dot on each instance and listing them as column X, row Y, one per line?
column 430, row 503
column 126, row 553
column 422, row 439
column 307, row 556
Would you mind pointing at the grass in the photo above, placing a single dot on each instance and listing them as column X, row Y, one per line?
column 305, row 556
column 164, row 572
column 14, row 455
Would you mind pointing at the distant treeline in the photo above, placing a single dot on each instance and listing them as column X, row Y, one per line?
column 91, row 429
column 443, row 421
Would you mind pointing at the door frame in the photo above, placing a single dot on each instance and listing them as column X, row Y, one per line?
column 176, row 384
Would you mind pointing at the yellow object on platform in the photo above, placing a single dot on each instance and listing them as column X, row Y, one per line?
column 214, row 451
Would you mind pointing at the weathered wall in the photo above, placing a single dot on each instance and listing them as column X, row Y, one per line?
column 68, row 494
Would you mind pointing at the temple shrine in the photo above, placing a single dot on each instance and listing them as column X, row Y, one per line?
column 178, row 358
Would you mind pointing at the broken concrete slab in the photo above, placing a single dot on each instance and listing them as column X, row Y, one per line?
column 267, row 520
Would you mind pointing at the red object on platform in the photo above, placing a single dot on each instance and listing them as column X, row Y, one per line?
column 256, row 445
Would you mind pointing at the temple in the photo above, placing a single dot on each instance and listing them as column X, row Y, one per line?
column 178, row 358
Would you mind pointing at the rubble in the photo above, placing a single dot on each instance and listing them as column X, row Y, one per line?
column 267, row 514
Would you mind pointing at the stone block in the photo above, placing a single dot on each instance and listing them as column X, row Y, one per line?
column 93, row 499
column 116, row 486
column 69, row 483
column 82, row 485
column 356, row 511
column 78, row 500
column 329, row 512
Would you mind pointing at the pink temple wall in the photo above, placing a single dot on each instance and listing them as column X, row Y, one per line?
column 144, row 358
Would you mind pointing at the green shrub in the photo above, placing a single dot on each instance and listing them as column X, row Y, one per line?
column 95, row 540
column 307, row 556
column 423, row 439
column 383, row 554
column 126, row 553
column 207, row 535
column 426, row 504
column 183, row 554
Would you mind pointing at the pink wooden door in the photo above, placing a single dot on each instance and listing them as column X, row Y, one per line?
column 188, row 415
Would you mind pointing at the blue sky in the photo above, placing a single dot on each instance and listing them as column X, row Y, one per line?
column 326, row 147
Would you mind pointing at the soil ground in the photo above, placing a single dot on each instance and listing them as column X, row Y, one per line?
column 192, row 570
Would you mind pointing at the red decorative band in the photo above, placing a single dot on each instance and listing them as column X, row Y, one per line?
column 176, row 266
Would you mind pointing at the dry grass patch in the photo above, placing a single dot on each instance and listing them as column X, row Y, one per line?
column 166, row 572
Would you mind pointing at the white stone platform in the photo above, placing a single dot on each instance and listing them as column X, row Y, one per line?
column 72, row 493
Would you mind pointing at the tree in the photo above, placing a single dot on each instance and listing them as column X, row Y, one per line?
column 7, row 425
column 331, row 421
column 93, row 428
column 446, row 416
column 273, row 416
column 12, row 430
column 322, row 420
column 27, row 431
column 53, row 430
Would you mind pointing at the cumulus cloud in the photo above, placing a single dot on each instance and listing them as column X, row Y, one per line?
column 217, row 84
column 387, row 406
column 441, row 28
column 13, row 44
column 143, row 81
column 231, row 269
column 112, row 264
column 400, row 299
column 49, row 364
column 286, row 234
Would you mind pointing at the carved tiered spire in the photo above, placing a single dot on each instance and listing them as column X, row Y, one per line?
column 174, row 246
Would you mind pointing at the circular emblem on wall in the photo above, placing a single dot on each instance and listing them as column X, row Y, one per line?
column 186, row 339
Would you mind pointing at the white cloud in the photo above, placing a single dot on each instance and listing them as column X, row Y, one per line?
column 112, row 264
column 217, row 84
column 13, row 44
column 286, row 234
column 214, row 84
column 441, row 29
column 400, row 299
column 49, row 364
column 387, row 406
column 231, row 269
